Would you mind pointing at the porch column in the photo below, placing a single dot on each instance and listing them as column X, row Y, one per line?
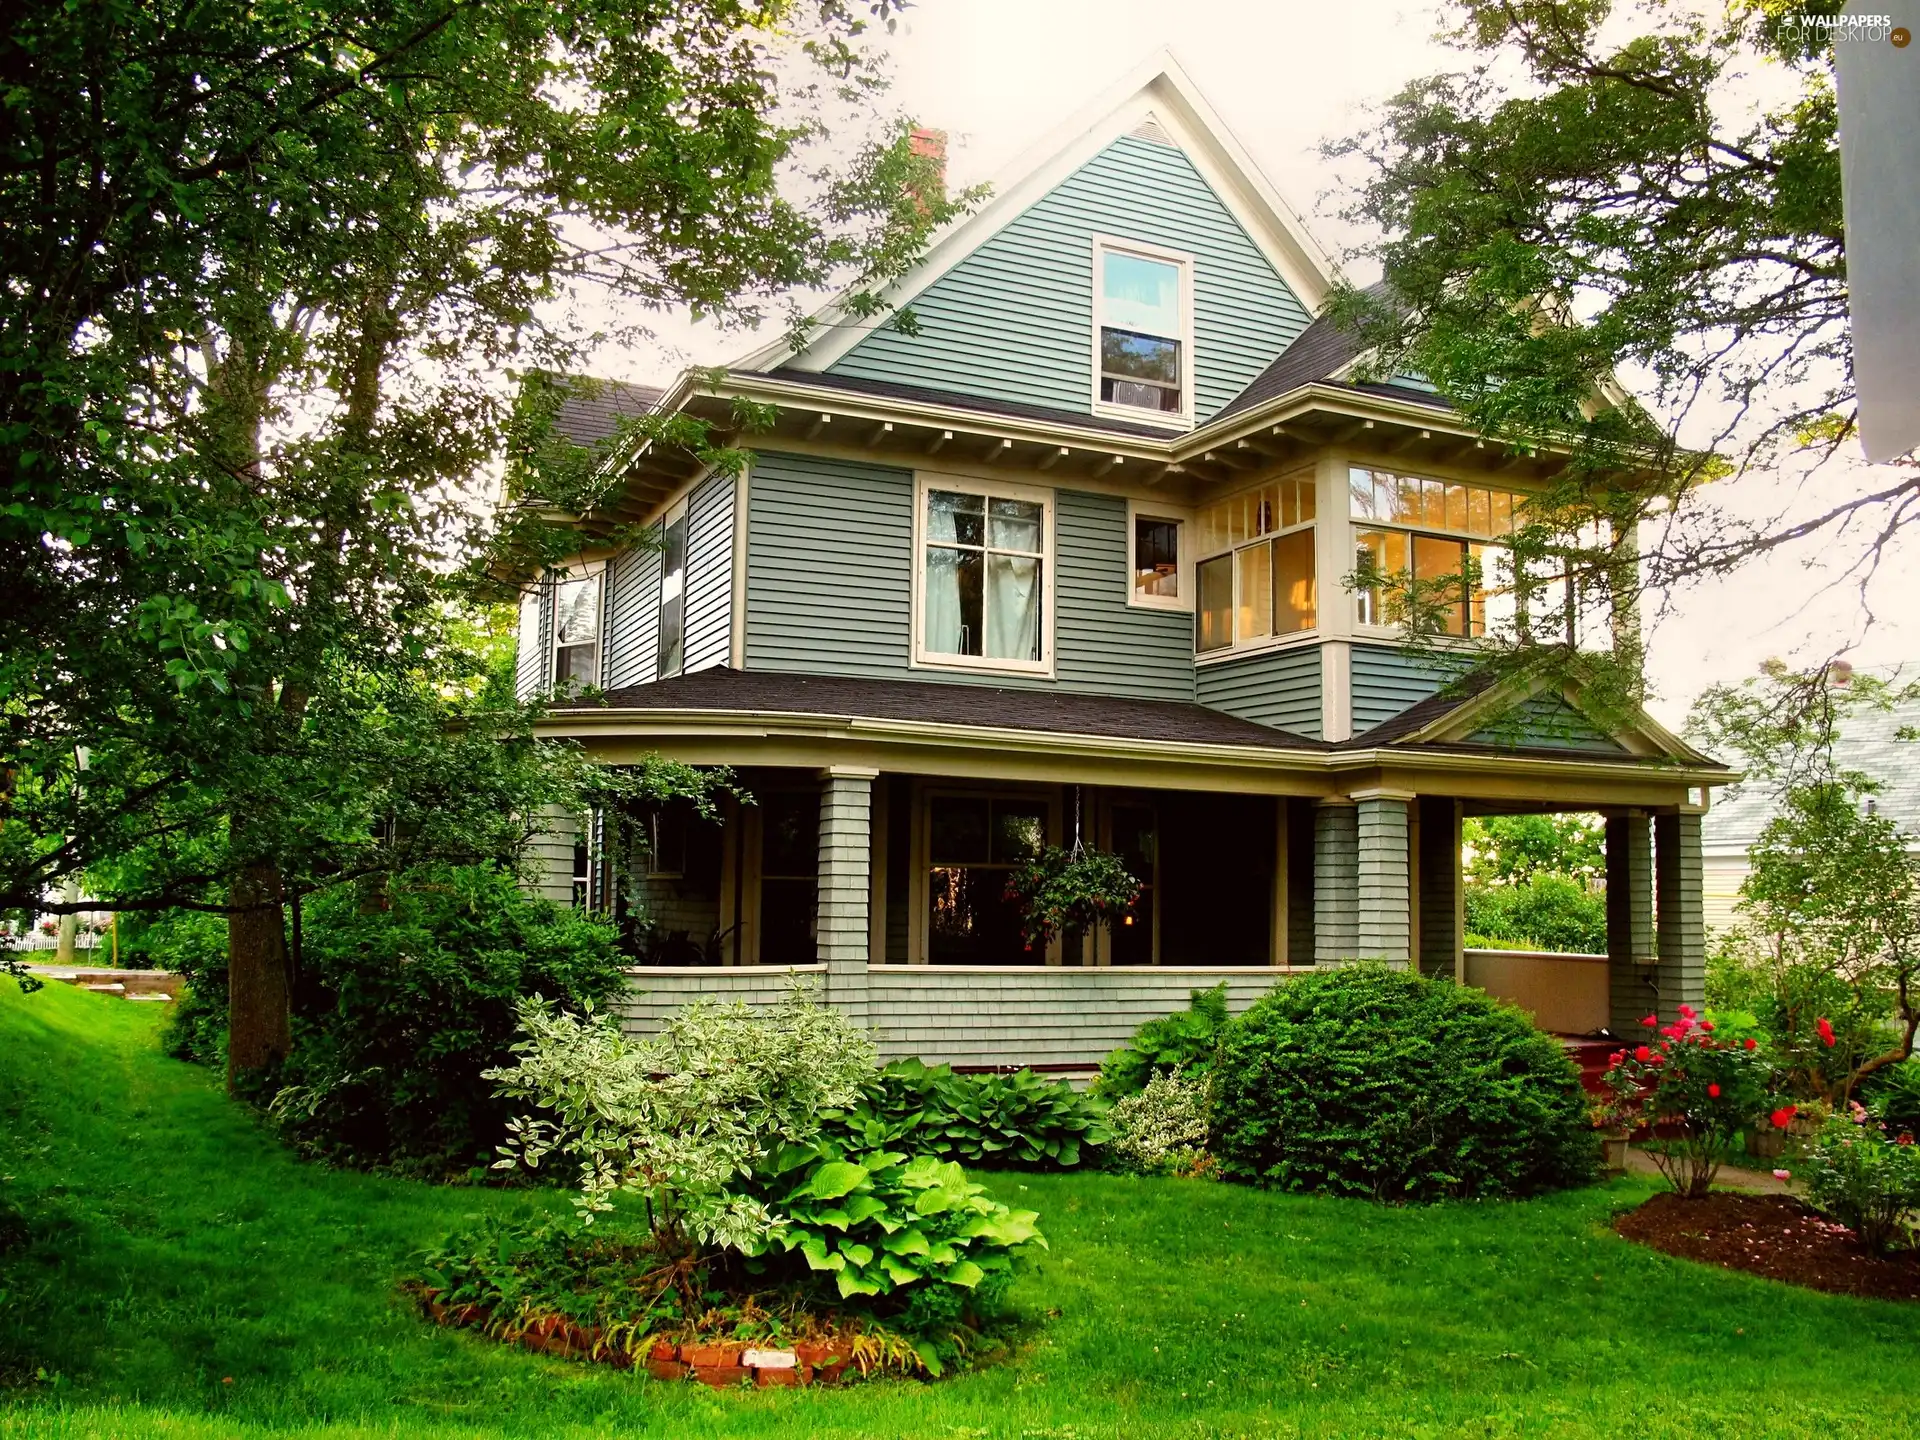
column 1441, row 927
column 1632, row 977
column 1336, row 875
column 1385, row 929
column 1680, row 915
column 840, row 915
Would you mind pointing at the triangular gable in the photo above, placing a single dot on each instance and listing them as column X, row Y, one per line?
column 1539, row 714
column 1161, row 103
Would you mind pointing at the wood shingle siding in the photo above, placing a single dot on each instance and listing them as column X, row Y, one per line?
column 633, row 637
column 1547, row 721
column 1387, row 680
column 1013, row 320
column 830, row 585
column 1279, row 688
column 709, row 625
column 968, row 1016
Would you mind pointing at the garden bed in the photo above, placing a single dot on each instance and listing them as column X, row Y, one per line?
column 722, row 1364
column 1776, row 1236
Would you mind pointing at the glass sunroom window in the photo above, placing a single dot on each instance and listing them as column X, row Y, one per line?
column 1445, row 539
column 1142, row 330
column 1262, row 587
column 985, row 577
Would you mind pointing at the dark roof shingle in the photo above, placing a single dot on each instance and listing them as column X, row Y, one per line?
column 985, row 706
column 592, row 410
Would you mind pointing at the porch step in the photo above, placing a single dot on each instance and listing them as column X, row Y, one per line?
column 1591, row 1056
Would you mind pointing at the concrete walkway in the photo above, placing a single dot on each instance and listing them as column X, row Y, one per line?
column 159, row 985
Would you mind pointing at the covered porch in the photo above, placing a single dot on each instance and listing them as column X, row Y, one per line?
column 874, row 855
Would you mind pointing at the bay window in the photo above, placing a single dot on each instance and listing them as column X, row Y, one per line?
column 983, row 578
column 1257, row 583
column 1143, row 346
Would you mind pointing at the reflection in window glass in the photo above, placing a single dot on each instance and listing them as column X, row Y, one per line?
column 974, row 842
column 1215, row 618
column 1255, row 584
column 1295, row 599
column 576, row 631
column 984, row 577
column 1140, row 331
column 1156, row 557
column 1134, row 841
column 1439, row 566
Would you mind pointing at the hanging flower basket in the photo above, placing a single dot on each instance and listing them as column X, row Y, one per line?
column 1078, row 889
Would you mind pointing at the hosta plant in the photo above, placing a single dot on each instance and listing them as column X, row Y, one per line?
column 1701, row 1081
column 1018, row 1121
column 1865, row 1174
column 882, row 1222
column 1187, row 1042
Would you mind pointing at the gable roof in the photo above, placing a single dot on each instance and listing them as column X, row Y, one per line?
column 593, row 408
column 1322, row 354
column 1158, row 90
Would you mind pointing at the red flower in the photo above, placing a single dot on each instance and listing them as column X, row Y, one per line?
column 1643, row 1054
column 1783, row 1117
column 1714, row 1091
column 1707, row 1025
column 1651, row 1021
column 1825, row 1027
column 1750, row 1042
column 1905, row 1138
column 1687, row 1012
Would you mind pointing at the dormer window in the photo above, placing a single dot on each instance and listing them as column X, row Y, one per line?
column 1143, row 331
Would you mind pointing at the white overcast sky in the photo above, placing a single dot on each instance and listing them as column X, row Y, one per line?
column 999, row 74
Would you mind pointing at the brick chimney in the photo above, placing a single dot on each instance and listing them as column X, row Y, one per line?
column 931, row 145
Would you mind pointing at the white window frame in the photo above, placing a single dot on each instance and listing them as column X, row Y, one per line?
column 923, row 659
column 1366, row 630
column 1239, row 649
column 595, row 570
column 1182, row 419
column 1144, row 510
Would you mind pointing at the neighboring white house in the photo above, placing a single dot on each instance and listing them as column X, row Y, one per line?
column 1869, row 742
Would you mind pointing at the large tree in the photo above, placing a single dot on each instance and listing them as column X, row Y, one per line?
column 1617, row 229
column 269, row 270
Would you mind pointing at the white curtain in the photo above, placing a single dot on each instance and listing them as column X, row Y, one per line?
column 944, row 626
column 1013, row 607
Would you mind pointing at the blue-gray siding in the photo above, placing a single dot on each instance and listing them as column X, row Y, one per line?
column 633, row 635
column 830, row 577
column 710, row 573
column 1013, row 321
column 1280, row 688
column 1549, row 722
column 1387, row 680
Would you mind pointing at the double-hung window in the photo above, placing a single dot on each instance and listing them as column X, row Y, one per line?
column 1256, row 576
column 673, row 594
column 576, row 631
column 1437, row 547
column 1161, row 564
column 1143, row 330
column 983, row 577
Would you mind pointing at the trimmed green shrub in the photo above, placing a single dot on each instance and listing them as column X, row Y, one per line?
column 402, row 1008
column 1020, row 1121
column 1184, row 1043
column 1375, row 1082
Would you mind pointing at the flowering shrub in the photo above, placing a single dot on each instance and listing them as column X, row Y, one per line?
column 1704, row 1082
column 1070, row 890
column 1866, row 1176
column 1163, row 1130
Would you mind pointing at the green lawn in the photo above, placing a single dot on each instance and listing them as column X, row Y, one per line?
column 161, row 1243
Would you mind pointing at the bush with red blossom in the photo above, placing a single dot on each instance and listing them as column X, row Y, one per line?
column 1697, row 1084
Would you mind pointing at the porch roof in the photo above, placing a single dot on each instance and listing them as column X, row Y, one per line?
column 942, row 703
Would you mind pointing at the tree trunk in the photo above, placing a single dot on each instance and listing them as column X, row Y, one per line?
column 259, row 1031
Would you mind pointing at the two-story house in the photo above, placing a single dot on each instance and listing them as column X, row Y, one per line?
column 1070, row 560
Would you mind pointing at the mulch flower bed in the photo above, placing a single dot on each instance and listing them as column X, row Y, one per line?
column 723, row 1364
column 1772, row 1235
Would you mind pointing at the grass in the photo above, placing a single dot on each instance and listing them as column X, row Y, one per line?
column 166, row 1269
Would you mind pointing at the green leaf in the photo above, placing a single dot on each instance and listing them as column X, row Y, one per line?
column 834, row 1179
column 966, row 1273
column 861, row 1255
column 929, row 1357
column 907, row 1242
column 852, row 1284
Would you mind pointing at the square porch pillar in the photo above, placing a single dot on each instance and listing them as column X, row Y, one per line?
column 1442, row 923
column 1336, row 878
column 1383, row 882
column 1633, row 977
column 842, row 890
column 1680, row 915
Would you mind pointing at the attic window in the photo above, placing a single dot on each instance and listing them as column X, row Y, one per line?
column 1143, row 342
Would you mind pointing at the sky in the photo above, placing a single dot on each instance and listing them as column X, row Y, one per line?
column 998, row 75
